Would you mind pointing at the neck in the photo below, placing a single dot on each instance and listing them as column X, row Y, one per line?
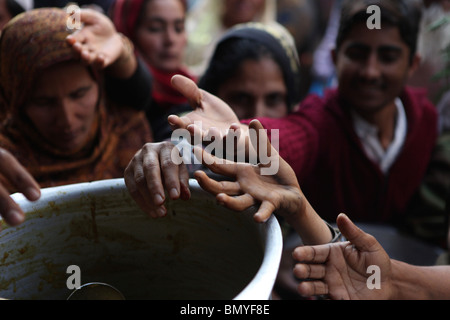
column 384, row 119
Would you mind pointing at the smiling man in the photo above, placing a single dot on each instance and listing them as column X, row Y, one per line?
column 364, row 147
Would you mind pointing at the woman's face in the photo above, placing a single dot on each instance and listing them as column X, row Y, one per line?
column 257, row 90
column 63, row 105
column 160, row 37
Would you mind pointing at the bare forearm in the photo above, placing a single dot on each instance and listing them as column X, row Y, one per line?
column 126, row 64
column 417, row 282
column 310, row 226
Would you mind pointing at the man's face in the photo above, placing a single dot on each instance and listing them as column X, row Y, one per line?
column 372, row 67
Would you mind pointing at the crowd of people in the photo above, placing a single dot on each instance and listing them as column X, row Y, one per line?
column 360, row 114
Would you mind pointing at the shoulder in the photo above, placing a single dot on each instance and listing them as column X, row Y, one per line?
column 417, row 100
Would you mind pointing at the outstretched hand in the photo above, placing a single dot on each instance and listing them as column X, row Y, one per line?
column 97, row 42
column 151, row 172
column 208, row 109
column 16, row 175
column 210, row 113
column 278, row 189
column 339, row 270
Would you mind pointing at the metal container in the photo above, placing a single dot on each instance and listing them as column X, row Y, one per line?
column 200, row 250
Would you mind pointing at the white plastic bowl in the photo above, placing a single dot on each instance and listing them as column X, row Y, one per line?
column 200, row 250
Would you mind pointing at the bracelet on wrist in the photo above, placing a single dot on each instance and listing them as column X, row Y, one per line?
column 336, row 235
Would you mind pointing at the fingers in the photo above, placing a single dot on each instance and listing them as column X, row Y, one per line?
column 268, row 157
column 216, row 187
column 361, row 240
column 188, row 89
column 185, row 193
column 312, row 254
column 89, row 16
column 135, row 180
column 264, row 212
column 19, row 176
column 312, row 288
column 21, row 179
column 261, row 143
column 9, row 210
column 237, row 203
column 215, row 164
column 87, row 54
column 227, row 194
column 170, row 172
column 178, row 123
column 150, row 173
column 310, row 276
column 97, row 42
column 311, row 270
column 348, row 228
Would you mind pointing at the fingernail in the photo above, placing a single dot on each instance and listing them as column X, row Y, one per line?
column 186, row 192
column 161, row 211
column 14, row 217
column 32, row 194
column 174, row 193
column 158, row 199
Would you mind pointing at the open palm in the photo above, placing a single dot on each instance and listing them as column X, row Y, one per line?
column 97, row 41
column 340, row 270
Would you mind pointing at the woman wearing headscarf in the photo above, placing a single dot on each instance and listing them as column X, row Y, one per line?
column 57, row 122
column 157, row 29
column 263, row 83
column 265, row 78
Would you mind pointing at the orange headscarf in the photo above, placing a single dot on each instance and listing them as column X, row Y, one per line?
column 30, row 43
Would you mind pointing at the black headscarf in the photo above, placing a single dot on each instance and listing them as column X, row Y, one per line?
column 274, row 38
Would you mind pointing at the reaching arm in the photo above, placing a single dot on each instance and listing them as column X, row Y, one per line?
column 419, row 282
column 15, row 175
column 100, row 45
column 127, row 80
column 272, row 185
column 339, row 270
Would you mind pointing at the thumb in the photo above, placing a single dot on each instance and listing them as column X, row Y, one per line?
column 261, row 139
column 361, row 240
column 89, row 16
column 188, row 89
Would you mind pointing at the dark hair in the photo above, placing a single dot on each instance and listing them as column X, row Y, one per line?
column 143, row 12
column 403, row 14
column 14, row 8
column 249, row 44
column 225, row 62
